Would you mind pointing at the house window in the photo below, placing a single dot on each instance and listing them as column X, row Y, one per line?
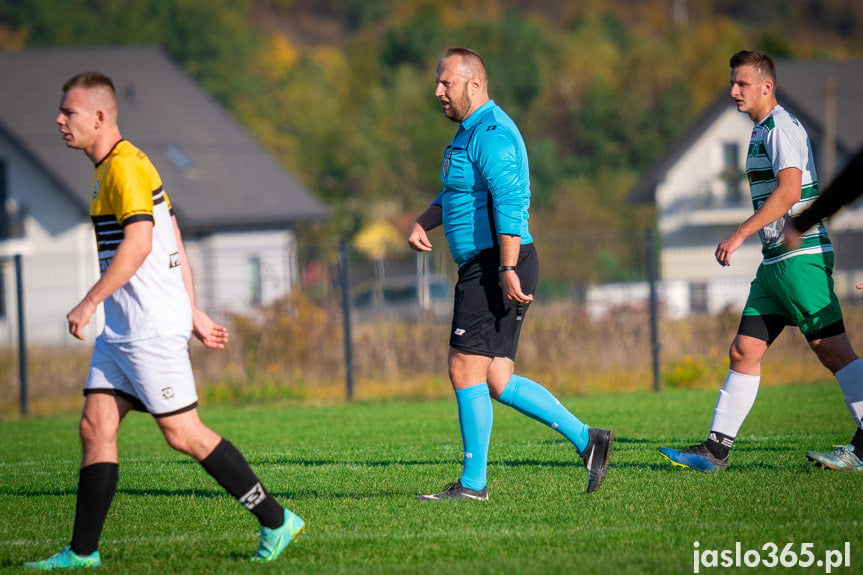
column 255, row 289
column 731, row 173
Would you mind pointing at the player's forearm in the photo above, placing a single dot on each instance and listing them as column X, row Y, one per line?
column 431, row 218
column 776, row 206
column 188, row 278
column 185, row 266
column 510, row 246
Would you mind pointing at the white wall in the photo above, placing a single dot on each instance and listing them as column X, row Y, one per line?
column 694, row 217
column 223, row 265
column 61, row 264
column 58, row 250
column 695, row 177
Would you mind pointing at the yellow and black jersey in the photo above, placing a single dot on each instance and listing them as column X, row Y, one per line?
column 126, row 189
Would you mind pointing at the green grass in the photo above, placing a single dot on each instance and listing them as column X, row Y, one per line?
column 353, row 471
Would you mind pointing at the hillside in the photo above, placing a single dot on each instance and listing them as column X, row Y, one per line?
column 340, row 91
column 823, row 25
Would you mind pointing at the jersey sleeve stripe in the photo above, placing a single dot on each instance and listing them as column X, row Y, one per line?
column 809, row 192
column 158, row 195
column 139, row 217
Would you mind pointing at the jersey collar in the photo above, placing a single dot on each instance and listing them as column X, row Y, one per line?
column 108, row 155
column 476, row 115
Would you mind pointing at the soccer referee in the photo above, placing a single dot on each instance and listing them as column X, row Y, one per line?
column 483, row 208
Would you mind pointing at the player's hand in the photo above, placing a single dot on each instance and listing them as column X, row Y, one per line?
column 209, row 332
column 418, row 239
column 511, row 286
column 727, row 247
column 859, row 286
column 79, row 317
column 791, row 237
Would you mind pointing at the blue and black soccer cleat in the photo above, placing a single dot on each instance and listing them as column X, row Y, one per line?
column 696, row 457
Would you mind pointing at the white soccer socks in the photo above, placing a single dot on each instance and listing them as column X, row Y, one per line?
column 850, row 379
column 735, row 400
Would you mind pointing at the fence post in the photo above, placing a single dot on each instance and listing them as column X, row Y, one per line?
column 22, row 336
column 423, row 289
column 345, row 264
column 654, row 308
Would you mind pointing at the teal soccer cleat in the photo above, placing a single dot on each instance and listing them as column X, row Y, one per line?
column 843, row 458
column 66, row 559
column 696, row 457
column 274, row 541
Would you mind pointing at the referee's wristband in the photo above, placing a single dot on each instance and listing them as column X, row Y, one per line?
column 506, row 268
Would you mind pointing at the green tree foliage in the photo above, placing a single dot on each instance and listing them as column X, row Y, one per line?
column 599, row 89
column 213, row 39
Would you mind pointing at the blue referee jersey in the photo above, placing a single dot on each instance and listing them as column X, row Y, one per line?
column 486, row 183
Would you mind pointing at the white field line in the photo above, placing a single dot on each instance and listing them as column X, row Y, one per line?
column 351, row 535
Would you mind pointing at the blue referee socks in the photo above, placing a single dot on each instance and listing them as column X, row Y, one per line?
column 533, row 400
column 475, row 419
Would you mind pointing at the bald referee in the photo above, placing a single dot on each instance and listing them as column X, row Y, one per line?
column 483, row 208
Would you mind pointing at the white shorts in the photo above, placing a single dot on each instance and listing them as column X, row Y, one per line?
column 154, row 374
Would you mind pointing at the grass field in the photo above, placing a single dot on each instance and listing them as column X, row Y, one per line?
column 353, row 471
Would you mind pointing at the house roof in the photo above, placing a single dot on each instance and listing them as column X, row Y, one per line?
column 801, row 88
column 218, row 176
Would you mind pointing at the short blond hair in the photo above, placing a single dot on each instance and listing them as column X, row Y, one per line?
column 90, row 79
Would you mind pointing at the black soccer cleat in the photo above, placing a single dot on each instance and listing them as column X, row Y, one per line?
column 596, row 456
column 455, row 491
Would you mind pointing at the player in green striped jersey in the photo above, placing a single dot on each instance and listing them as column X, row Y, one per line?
column 793, row 286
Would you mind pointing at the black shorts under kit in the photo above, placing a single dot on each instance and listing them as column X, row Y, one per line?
column 484, row 322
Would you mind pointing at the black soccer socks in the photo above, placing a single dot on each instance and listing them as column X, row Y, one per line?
column 857, row 442
column 719, row 444
column 228, row 466
column 97, row 485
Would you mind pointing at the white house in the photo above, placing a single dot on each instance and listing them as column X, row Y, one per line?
column 237, row 207
column 701, row 194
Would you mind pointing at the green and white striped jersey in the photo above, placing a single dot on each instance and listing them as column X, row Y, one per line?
column 778, row 142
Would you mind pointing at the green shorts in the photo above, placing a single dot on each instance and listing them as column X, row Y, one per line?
column 798, row 289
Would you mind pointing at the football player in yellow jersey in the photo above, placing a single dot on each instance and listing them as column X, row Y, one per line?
column 141, row 360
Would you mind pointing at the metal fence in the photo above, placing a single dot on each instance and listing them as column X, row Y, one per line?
column 601, row 321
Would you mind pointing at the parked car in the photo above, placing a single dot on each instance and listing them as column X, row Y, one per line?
column 409, row 297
